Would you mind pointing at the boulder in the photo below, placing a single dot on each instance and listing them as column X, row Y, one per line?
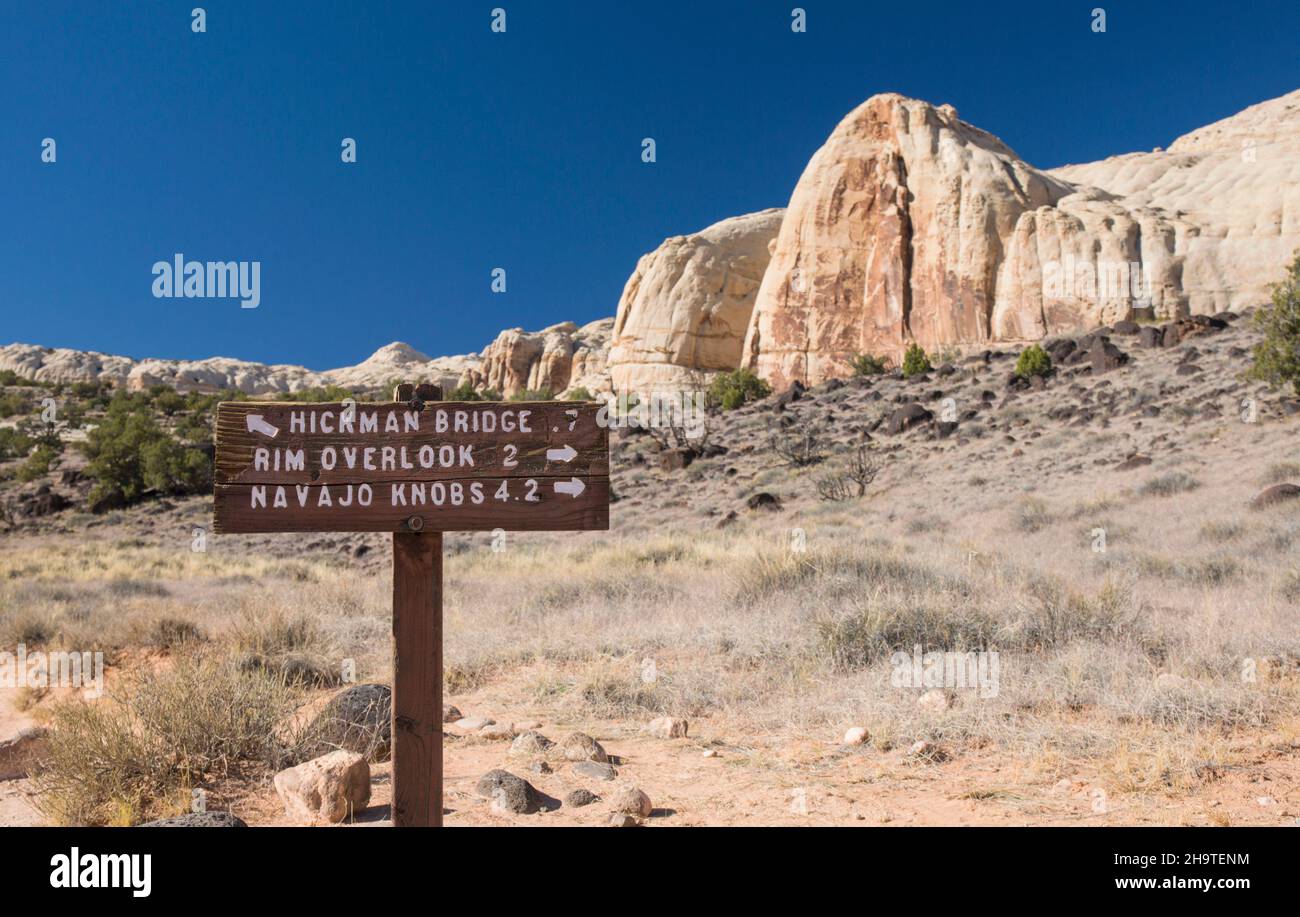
column 357, row 719
column 1278, row 493
column 508, row 792
column 595, row 770
column 630, row 800
column 580, row 797
column 531, row 743
column 579, row 746
column 1105, row 356
column 764, row 500
column 326, row 789
column 856, row 735
column 667, row 727
column 907, row 417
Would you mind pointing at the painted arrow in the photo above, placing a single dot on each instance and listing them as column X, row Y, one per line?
column 257, row 425
column 561, row 455
column 573, row 486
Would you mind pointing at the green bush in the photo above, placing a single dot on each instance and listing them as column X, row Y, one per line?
column 532, row 394
column 129, row 454
column 464, row 392
column 579, row 394
column 864, row 364
column 327, row 394
column 731, row 390
column 1033, row 361
column 1277, row 357
column 9, row 377
column 915, row 361
column 14, row 443
column 38, row 463
column 18, row 403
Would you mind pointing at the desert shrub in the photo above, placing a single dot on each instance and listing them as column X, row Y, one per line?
column 9, row 377
column 915, row 361
column 1032, row 515
column 1277, row 356
column 170, row 633
column 1166, row 485
column 14, row 443
column 798, row 449
column 12, row 404
column 129, row 454
column 864, row 364
column 1058, row 616
column 1033, row 361
column 292, row 647
column 579, row 394
column 464, row 392
column 129, row 758
column 731, row 390
column 532, row 394
column 1282, row 472
column 166, row 399
column 886, row 623
column 853, row 480
column 325, row 393
column 38, row 463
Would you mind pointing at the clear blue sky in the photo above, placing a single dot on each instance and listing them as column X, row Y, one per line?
column 518, row 150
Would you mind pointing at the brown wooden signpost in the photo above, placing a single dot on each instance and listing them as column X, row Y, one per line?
column 416, row 467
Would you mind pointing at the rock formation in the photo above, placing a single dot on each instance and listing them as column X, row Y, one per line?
column 911, row 225
column 687, row 304
column 556, row 359
column 559, row 358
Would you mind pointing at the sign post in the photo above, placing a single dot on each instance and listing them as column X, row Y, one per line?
column 416, row 467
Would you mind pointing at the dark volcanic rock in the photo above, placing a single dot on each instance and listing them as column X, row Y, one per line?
column 764, row 500
column 907, row 417
column 358, row 719
column 1136, row 460
column 198, row 820
column 516, row 794
column 1278, row 493
column 1105, row 356
column 1150, row 336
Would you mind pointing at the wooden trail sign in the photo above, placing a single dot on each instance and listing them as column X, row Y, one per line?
column 416, row 467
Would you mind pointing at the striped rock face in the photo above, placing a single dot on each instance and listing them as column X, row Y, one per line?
column 911, row 225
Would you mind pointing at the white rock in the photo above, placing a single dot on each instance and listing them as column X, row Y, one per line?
column 856, row 735
column 667, row 727
column 329, row 788
column 631, row 800
column 497, row 731
column 474, row 723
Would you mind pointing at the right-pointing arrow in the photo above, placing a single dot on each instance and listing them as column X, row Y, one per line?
column 561, row 455
column 572, row 486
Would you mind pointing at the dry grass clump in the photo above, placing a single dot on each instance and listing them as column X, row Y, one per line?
column 1281, row 473
column 138, row 753
column 289, row 646
column 1167, row 485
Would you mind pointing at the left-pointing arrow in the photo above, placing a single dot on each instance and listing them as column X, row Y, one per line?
column 257, row 425
column 572, row 486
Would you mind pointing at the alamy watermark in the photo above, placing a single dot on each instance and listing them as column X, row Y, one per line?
column 953, row 670
column 240, row 280
column 57, row 669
